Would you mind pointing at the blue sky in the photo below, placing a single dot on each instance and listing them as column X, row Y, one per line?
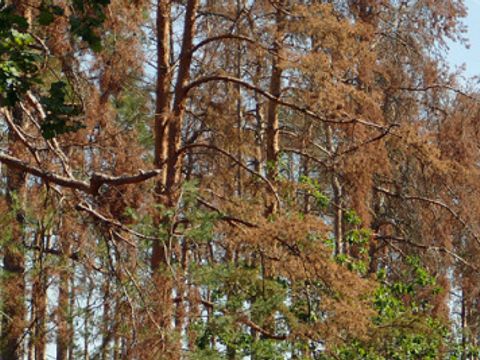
column 458, row 54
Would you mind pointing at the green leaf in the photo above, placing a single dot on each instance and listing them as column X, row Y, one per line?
column 60, row 115
column 45, row 17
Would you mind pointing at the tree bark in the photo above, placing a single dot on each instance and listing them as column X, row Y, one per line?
column 14, row 264
column 272, row 131
column 39, row 295
column 174, row 161
column 62, row 314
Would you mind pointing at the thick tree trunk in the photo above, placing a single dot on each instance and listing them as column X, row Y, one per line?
column 174, row 163
column 159, row 258
column 162, row 104
column 168, row 127
column 11, row 346
column 13, row 320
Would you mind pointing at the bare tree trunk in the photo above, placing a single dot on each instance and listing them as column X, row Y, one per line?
column 164, row 77
column 116, row 347
column 238, row 110
column 340, row 246
column 168, row 140
column 13, row 322
column 464, row 326
column 272, row 130
column 71, row 311
column 259, row 123
column 174, row 163
column 86, row 321
column 63, row 313
column 180, row 311
column 39, row 297
column 159, row 259
column 31, row 337
column 106, row 320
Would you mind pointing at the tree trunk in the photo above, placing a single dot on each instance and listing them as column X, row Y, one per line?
column 174, row 163
column 14, row 264
column 168, row 140
column 63, row 313
column 161, row 281
column 39, row 297
column 272, row 131
column 340, row 246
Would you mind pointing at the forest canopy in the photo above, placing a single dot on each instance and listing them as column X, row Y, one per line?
column 237, row 179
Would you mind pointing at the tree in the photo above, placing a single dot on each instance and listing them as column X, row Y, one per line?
column 229, row 179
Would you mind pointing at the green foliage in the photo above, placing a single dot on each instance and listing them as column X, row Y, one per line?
column 133, row 112
column 352, row 218
column 59, row 113
column 314, row 189
column 19, row 63
column 87, row 20
column 402, row 328
column 231, row 287
column 48, row 12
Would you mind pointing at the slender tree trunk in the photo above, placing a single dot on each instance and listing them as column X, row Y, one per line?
column 340, row 246
column 63, row 313
column 86, row 321
column 238, row 110
column 464, row 326
column 39, row 297
column 116, row 347
column 31, row 337
column 106, row 319
column 71, row 311
column 180, row 311
column 272, row 130
column 259, row 122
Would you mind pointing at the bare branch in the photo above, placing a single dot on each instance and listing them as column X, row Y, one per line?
column 438, row 203
column 278, row 100
column 45, row 175
column 97, row 179
column 221, row 37
column 428, row 247
column 114, row 223
column 239, row 163
column 438, row 86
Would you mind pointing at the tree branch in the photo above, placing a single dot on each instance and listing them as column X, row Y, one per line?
column 239, row 163
column 221, row 37
column 269, row 96
column 433, row 202
column 96, row 181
